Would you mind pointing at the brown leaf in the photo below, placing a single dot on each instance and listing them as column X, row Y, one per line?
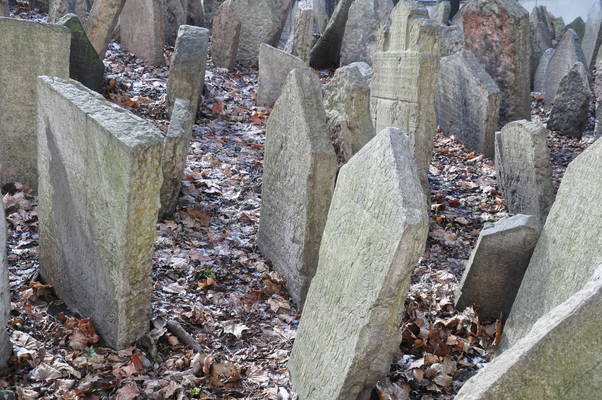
column 129, row 392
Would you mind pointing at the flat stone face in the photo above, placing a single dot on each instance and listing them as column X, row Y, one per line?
column 539, row 81
column 597, row 89
column 175, row 150
column 97, row 241
column 85, row 65
column 566, row 54
column 59, row 8
column 225, row 36
column 361, row 30
column 467, row 103
column 570, row 111
column 298, row 181
column 301, row 39
column 376, row 232
column 558, row 359
column 27, row 50
column 327, row 50
column 142, row 29
column 523, row 168
column 496, row 266
column 578, row 25
column 441, row 11
column 569, row 248
column 187, row 69
column 541, row 35
column 593, row 33
column 497, row 32
column 347, row 105
column 274, row 67
column 6, row 347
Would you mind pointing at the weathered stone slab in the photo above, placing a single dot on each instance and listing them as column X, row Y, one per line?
column 452, row 40
column 440, row 13
column 6, row 347
column 360, row 38
column 301, row 39
column 541, row 35
column 175, row 15
column 59, row 8
column 347, row 105
column 321, row 16
column 539, row 82
column 496, row 266
column 28, row 49
column 558, row 359
column 225, row 36
column 327, row 50
column 411, row 29
column 299, row 172
column 100, row 176
column 523, row 168
column 142, row 29
column 274, row 67
column 597, row 89
column 565, row 56
column 187, row 68
column 497, row 32
column 558, row 27
column 592, row 39
column 175, row 150
column 102, row 21
column 4, row 9
column 578, row 25
column 569, row 248
column 467, row 103
column 570, row 111
column 85, row 65
column 376, row 232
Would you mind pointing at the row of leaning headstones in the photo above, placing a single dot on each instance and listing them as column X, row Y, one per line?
column 305, row 229
column 58, row 135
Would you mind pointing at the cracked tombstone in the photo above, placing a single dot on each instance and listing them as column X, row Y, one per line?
column 375, row 233
column 142, row 29
column 97, row 241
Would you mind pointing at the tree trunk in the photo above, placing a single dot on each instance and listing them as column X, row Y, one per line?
column 101, row 23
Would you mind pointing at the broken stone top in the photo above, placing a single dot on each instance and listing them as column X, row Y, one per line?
column 411, row 29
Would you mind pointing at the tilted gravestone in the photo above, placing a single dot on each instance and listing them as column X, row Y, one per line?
column 375, row 233
column 467, row 102
column 175, row 150
column 299, row 173
column 327, row 50
column 566, row 54
column 592, row 38
column 225, row 36
column 496, row 266
column 274, row 67
column 142, row 29
column 541, row 36
column 539, row 81
column 301, row 39
column 347, row 104
column 523, row 168
column 100, row 175
column 59, row 8
column 27, row 50
column 187, row 68
column 5, row 344
column 85, row 65
column 497, row 32
column 569, row 248
column 559, row 358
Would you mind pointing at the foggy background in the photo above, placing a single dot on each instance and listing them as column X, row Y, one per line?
column 567, row 9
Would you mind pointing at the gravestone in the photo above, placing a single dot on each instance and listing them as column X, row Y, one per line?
column 299, row 172
column 347, row 105
column 361, row 30
column 102, row 22
column 85, row 65
column 302, row 37
column 28, row 49
column 541, row 36
column 321, row 17
column 142, row 29
column 567, row 53
column 569, row 248
column 539, row 82
column 452, row 40
column 558, row 359
column 6, row 347
column 187, row 69
column 592, row 38
column 100, row 176
column 523, row 168
column 558, row 27
column 376, row 232
column 274, row 67
column 597, row 89
column 4, row 9
column 441, row 12
column 175, row 15
column 175, row 150
column 327, row 50
column 497, row 32
column 467, row 102
column 59, row 8
column 578, row 25
column 225, row 36
column 496, row 266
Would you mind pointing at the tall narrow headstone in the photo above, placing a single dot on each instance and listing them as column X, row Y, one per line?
column 27, row 50
column 497, row 32
column 100, row 176
column 5, row 344
column 298, row 181
column 274, row 67
column 376, row 232
column 225, row 36
column 541, row 36
column 539, row 81
column 4, row 9
column 142, row 29
column 566, row 54
column 327, row 50
column 592, row 39
column 302, row 36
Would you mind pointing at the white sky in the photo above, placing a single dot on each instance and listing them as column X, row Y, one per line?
column 567, row 9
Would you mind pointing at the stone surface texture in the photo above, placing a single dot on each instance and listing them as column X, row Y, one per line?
column 452, row 40
column 496, row 266
column 523, row 168
column 97, row 241
column 597, row 89
column 539, row 80
column 347, row 104
column 441, row 12
column 541, row 36
column 225, row 36
column 102, row 21
column 301, row 39
column 187, row 68
column 592, row 39
column 566, row 54
column 497, row 32
column 569, row 248
column 559, row 358
column 274, row 67
column 578, row 25
column 327, row 50
column 28, row 49
column 375, row 233
column 142, row 29
column 85, row 65
column 4, row 9
column 299, row 173
column 6, row 347
column 59, row 8
column 467, row 102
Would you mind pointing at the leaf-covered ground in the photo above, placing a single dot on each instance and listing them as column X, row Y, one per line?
column 212, row 284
